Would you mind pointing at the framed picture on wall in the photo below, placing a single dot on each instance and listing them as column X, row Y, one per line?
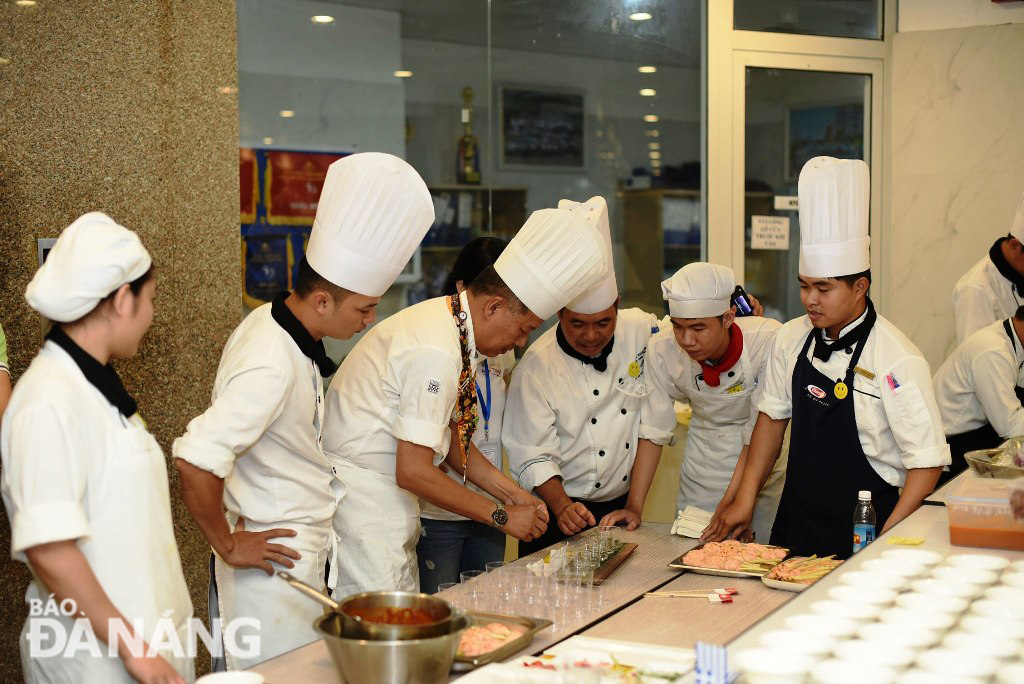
column 833, row 130
column 541, row 128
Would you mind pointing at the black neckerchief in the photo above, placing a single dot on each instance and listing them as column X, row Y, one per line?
column 1004, row 267
column 314, row 349
column 599, row 362
column 823, row 350
column 103, row 378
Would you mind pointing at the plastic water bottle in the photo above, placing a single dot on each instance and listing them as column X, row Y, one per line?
column 863, row 521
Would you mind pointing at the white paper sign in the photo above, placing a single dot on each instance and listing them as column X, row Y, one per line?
column 786, row 203
column 769, row 232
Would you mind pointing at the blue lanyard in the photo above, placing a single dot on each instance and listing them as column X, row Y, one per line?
column 485, row 406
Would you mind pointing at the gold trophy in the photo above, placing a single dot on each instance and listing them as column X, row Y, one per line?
column 467, row 165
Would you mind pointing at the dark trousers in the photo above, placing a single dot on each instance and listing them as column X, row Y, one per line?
column 553, row 535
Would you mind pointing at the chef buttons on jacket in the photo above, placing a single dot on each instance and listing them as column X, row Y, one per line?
column 596, row 392
column 597, row 486
column 593, row 421
column 601, row 452
column 625, row 477
column 622, row 411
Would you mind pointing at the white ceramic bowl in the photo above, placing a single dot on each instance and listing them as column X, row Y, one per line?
column 888, row 566
column 966, row 575
column 1006, row 594
column 917, row 676
column 812, row 623
column 766, row 666
column 993, row 628
column 934, row 620
column 976, row 644
column 231, row 678
column 938, row 587
column 952, row 663
column 876, row 653
column 1012, row 579
column 998, row 610
column 932, row 602
column 792, row 641
column 850, row 594
column 851, row 672
column 859, row 578
column 1011, row 674
column 919, row 556
column 842, row 609
column 898, row 634
column 978, row 561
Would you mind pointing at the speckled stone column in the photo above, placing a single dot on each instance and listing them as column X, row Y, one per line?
column 128, row 108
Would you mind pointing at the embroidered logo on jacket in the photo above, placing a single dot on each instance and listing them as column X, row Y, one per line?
column 434, row 386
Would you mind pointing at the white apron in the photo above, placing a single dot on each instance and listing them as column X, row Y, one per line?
column 285, row 615
column 378, row 525
column 713, row 445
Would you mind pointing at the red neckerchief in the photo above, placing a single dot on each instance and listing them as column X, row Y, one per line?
column 732, row 355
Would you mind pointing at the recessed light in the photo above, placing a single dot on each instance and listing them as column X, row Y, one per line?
column 640, row 16
column 403, row 73
column 655, row 134
column 654, row 155
column 654, row 146
column 227, row 90
column 322, row 19
column 25, row 3
column 647, row 69
column 655, row 164
column 287, row 113
column 4, row 60
column 268, row 141
column 648, row 92
column 651, row 118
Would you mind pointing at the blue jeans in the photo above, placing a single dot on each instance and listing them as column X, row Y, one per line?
column 448, row 547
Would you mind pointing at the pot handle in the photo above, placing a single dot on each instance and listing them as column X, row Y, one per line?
column 306, row 589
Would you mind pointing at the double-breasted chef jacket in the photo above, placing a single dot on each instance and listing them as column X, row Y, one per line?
column 990, row 291
column 723, row 417
column 261, row 434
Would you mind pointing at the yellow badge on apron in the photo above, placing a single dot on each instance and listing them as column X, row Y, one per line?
column 841, row 390
column 735, row 389
column 634, row 370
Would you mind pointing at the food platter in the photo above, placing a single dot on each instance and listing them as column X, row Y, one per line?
column 678, row 564
column 795, row 587
column 465, row 663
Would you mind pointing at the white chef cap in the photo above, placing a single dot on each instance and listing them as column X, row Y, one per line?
column 602, row 294
column 834, row 215
column 554, row 257
column 373, row 212
column 699, row 290
column 1017, row 227
column 91, row 259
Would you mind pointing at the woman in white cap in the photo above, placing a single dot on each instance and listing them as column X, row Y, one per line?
column 391, row 406
column 256, row 451
column 717, row 363
column 573, row 426
column 84, row 482
column 858, row 391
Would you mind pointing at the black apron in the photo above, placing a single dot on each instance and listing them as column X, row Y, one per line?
column 827, row 466
column 984, row 437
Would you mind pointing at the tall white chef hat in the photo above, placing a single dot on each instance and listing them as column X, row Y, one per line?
column 1017, row 227
column 553, row 258
column 699, row 290
column 92, row 258
column 602, row 294
column 834, row 214
column 373, row 212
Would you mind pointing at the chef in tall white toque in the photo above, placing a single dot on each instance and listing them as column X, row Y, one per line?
column 83, row 480
column 573, row 421
column 257, row 450
column 716, row 362
column 404, row 401
column 858, row 391
column 993, row 288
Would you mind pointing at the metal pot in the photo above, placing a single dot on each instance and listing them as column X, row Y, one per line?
column 405, row 661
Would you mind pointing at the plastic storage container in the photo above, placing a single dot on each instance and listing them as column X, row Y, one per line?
column 980, row 514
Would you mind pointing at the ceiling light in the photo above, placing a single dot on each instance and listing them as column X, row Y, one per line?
column 403, row 73
column 640, row 16
column 655, row 164
column 227, row 90
column 25, row 3
column 655, row 134
column 654, row 146
column 287, row 113
column 648, row 92
column 268, row 141
column 651, row 118
column 654, row 155
column 647, row 69
column 4, row 60
column 322, row 19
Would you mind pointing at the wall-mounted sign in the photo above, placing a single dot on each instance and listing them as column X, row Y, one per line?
column 769, row 232
column 786, row 203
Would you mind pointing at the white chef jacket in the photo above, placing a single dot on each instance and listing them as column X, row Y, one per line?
column 976, row 384
column 982, row 296
column 566, row 419
column 898, row 428
column 75, row 468
column 488, row 442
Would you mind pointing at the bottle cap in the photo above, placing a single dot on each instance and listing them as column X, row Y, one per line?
column 864, row 495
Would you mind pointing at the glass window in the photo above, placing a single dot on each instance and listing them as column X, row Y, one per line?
column 841, row 18
column 792, row 116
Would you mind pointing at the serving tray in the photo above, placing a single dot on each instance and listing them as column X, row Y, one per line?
column 533, row 625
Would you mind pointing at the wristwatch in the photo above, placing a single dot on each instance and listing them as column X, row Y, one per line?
column 500, row 516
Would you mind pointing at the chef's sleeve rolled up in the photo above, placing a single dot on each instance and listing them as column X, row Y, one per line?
column 775, row 399
column 913, row 415
column 657, row 413
column 428, row 386
column 528, row 429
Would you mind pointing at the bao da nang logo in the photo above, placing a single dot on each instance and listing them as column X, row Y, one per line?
column 57, row 629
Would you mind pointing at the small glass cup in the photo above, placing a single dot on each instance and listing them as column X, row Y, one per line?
column 493, row 565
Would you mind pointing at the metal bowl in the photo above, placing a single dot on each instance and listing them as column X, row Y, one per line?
column 981, row 463
column 405, row 661
column 438, row 609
